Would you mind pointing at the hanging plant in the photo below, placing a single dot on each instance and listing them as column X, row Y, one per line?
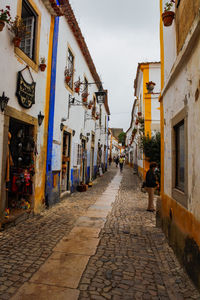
column 150, row 86
column 77, row 85
column 90, row 105
column 42, row 64
column 168, row 15
column 4, row 17
column 18, row 28
column 84, row 96
column 134, row 131
column 68, row 74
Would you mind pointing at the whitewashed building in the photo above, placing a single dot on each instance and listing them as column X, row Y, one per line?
column 24, row 88
column 180, row 122
column 145, row 117
column 78, row 144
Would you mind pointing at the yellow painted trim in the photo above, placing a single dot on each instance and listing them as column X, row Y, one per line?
column 147, row 112
column 184, row 219
column 161, row 102
column 39, row 191
column 31, row 63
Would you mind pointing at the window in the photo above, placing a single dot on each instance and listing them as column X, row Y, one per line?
column 79, row 155
column 29, row 17
column 70, row 66
column 180, row 156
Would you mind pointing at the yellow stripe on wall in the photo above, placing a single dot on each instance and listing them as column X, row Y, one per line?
column 147, row 111
column 40, row 191
column 161, row 102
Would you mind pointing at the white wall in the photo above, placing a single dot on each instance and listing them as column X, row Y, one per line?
column 180, row 94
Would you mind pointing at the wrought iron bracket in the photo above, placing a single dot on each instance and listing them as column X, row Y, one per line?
column 74, row 102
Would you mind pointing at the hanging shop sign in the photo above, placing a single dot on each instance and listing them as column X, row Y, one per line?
column 25, row 91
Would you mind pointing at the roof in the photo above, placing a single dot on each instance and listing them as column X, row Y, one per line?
column 66, row 10
column 106, row 103
column 138, row 70
column 132, row 115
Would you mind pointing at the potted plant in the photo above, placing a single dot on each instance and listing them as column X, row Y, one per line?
column 4, row 17
column 68, row 74
column 77, row 85
column 90, row 105
column 168, row 15
column 139, row 113
column 84, row 96
column 134, row 131
column 42, row 64
column 18, row 28
column 150, row 86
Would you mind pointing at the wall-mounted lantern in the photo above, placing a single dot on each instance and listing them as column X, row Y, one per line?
column 3, row 101
column 40, row 118
column 100, row 95
column 62, row 126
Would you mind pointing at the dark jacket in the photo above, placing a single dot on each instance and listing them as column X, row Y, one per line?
column 150, row 179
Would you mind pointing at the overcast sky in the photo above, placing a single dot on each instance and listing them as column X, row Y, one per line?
column 119, row 34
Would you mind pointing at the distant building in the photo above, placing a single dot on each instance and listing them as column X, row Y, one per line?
column 116, row 132
column 145, row 118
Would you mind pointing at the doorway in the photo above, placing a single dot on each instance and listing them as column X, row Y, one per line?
column 20, row 166
column 65, row 181
column 84, row 160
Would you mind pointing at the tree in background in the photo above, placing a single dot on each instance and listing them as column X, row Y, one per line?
column 151, row 149
column 122, row 138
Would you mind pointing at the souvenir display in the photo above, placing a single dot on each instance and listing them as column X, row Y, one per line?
column 21, row 151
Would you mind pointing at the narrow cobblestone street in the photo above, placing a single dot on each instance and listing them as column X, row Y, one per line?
column 101, row 244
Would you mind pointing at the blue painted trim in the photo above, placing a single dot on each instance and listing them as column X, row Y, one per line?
column 52, row 96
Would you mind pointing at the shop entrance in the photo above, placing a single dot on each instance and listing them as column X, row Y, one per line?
column 65, row 184
column 20, row 166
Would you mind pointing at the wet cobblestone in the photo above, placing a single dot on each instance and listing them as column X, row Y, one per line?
column 133, row 259
column 26, row 246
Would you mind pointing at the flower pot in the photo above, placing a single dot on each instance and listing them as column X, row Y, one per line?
column 150, row 88
column 84, row 99
column 16, row 41
column 168, row 17
column 42, row 67
column 139, row 114
column 77, row 90
column 67, row 79
column 2, row 24
column 89, row 106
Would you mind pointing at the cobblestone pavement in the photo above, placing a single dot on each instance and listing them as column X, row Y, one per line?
column 133, row 259
column 25, row 247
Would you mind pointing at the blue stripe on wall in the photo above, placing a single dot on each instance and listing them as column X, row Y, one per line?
column 52, row 96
